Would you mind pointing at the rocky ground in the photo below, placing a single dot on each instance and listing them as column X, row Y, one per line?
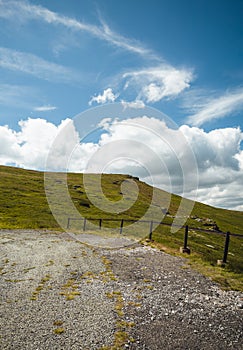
column 59, row 293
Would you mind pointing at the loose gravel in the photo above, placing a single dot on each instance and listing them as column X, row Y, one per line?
column 177, row 307
column 59, row 293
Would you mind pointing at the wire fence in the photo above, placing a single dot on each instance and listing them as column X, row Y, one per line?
column 147, row 228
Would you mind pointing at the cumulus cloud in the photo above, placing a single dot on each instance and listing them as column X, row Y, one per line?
column 107, row 96
column 207, row 109
column 142, row 146
column 135, row 135
column 218, row 157
column 29, row 147
column 155, row 83
column 9, row 145
column 220, row 163
column 217, row 148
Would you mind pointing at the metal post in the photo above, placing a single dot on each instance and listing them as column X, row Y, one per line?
column 68, row 223
column 84, row 227
column 151, row 230
column 100, row 223
column 121, row 227
column 226, row 247
column 185, row 237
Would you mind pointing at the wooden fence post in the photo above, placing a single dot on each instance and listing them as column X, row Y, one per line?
column 226, row 247
column 151, row 230
column 185, row 248
column 186, row 237
column 68, row 223
column 100, row 223
column 121, row 227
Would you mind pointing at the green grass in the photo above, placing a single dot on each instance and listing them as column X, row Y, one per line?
column 23, row 204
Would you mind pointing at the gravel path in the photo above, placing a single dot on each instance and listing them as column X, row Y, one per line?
column 58, row 293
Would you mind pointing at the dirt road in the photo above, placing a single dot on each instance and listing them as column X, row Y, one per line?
column 59, row 293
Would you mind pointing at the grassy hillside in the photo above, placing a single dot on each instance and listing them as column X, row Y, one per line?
column 23, row 204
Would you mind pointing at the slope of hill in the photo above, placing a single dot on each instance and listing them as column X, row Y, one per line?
column 23, row 204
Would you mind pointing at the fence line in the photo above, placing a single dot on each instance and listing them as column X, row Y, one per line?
column 100, row 220
column 183, row 249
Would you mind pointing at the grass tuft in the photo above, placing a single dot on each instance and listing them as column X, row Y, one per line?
column 59, row 330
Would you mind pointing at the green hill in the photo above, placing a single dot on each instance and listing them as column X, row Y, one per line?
column 23, row 204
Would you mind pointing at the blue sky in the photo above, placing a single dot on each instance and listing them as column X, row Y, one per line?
column 184, row 58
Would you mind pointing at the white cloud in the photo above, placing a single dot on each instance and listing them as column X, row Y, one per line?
column 207, row 109
column 155, row 83
column 137, row 104
column 45, row 108
column 220, row 163
column 218, row 155
column 126, row 43
column 23, row 10
column 107, row 96
column 151, row 84
column 34, row 65
column 239, row 157
column 142, row 146
column 217, row 148
column 9, row 150
column 29, row 147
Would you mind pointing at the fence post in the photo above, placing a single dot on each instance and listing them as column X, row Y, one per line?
column 226, row 247
column 121, row 227
column 185, row 248
column 84, row 227
column 186, row 237
column 100, row 223
column 68, row 223
column 151, row 230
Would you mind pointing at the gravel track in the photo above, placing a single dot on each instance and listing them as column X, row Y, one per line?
column 57, row 293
